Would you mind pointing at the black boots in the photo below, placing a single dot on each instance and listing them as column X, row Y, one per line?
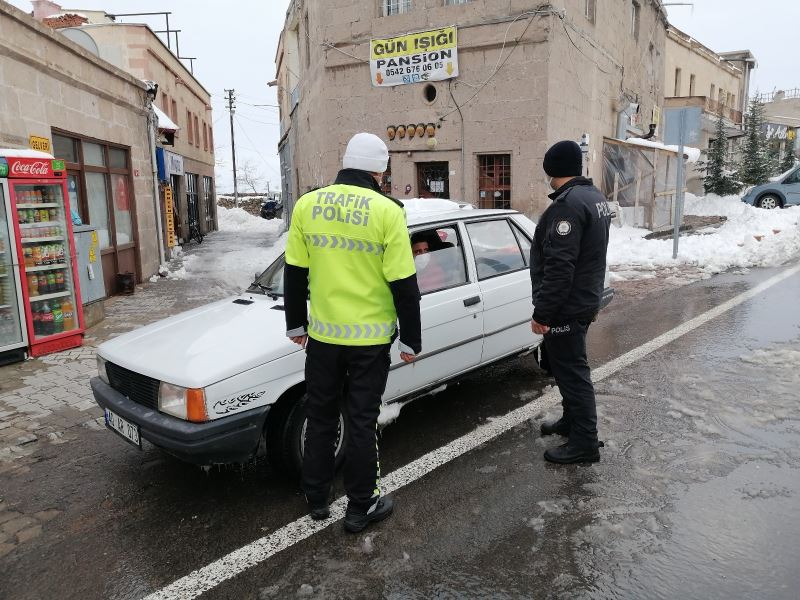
column 559, row 427
column 565, row 454
column 319, row 512
column 356, row 520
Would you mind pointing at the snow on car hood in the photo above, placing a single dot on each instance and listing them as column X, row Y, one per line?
column 207, row 344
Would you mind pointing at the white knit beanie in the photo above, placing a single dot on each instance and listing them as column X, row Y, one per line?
column 366, row 152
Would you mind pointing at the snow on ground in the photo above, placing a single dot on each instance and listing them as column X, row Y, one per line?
column 751, row 237
column 245, row 244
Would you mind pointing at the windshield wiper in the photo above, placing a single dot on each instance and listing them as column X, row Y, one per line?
column 266, row 289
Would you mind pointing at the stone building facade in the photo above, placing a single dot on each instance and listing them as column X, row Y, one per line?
column 96, row 118
column 529, row 74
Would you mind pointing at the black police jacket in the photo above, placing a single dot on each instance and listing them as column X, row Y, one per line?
column 568, row 256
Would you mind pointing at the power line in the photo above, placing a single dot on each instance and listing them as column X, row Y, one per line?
column 266, row 162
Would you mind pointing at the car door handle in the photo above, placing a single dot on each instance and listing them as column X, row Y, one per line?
column 472, row 301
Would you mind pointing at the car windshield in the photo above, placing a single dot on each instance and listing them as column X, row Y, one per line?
column 270, row 281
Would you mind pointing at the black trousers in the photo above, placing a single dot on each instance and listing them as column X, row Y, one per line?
column 361, row 372
column 566, row 351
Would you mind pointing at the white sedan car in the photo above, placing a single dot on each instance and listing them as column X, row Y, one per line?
column 222, row 383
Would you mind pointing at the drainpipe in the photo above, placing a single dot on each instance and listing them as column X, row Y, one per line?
column 152, row 126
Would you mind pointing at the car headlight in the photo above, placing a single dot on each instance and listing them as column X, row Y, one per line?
column 188, row 404
column 101, row 369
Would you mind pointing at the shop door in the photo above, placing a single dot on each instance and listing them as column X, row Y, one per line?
column 192, row 209
column 175, row 182
column 433, row 180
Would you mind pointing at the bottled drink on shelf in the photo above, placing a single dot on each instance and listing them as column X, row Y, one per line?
column 44, row 287
column 58, row 318
column 28, row 252
column 37, row 256
column 51, row 282
column 33, row 285
column 61, row 258
column 60, row 282
column 68, row 312
column 46, row 320
column 52, row 215
column 37, row 319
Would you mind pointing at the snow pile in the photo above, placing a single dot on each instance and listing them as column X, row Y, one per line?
column 238, row 219
column 751, row 237
column 692, row 154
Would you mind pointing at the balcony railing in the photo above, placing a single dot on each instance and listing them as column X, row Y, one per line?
column 709, row 105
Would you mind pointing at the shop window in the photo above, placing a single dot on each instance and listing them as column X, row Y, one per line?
column 208, row 193
column 117, row 158
column 65, row 148
column 494, row 181
column 93, row 154
column 97, row 199
column 122, row 209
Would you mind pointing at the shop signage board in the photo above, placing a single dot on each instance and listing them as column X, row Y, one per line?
column 39, row 143
column 414, row 58
column 174, row 163
column 169, row 216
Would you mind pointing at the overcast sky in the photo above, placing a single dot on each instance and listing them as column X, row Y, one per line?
column 235, row 42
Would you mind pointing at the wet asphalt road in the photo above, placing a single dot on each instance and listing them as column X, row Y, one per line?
column 696, row 495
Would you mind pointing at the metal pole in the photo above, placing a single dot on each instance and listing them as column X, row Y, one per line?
column 232, row 108
column 169, row 45
column 679, row 184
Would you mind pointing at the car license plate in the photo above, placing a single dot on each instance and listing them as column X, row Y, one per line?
column 125, row 428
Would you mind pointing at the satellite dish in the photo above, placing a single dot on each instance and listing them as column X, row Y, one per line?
column 83, row 39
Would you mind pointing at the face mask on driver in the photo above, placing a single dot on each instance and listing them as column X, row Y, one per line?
column 422, row 261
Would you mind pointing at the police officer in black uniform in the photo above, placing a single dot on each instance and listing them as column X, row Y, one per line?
column 568, row 264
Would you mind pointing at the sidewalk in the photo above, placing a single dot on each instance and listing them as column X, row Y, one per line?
column 48, row 400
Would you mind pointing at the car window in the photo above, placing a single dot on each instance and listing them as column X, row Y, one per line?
column 524, row 243
column 271, row 280
column 495, row 247
column 439, row 257
column 793, row 178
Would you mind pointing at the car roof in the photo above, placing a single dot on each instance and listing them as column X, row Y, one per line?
column 428, row 218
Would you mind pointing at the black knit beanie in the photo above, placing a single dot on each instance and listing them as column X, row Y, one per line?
column 563, row 159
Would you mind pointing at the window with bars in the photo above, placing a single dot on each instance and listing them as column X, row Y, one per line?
column 494, row 181
column 395, row 7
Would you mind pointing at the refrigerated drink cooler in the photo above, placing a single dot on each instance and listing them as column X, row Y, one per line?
column 39, row 229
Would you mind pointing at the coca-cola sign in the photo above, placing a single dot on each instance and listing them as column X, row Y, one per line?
column 29, row 167
column 33, row 169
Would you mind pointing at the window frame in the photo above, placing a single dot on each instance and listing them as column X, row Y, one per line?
column 590, row 11
column 636, row 11
column 509, row 222
column 496, row 185
column 433, row 227
column 402, row 7
column 456, row 2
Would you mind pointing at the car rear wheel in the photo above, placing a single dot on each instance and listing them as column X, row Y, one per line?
column 286, row 438
column 769, row 202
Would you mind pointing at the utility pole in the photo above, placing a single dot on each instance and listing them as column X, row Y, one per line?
column 232, row 110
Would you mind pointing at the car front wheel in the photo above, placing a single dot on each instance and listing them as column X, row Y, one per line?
column 286, row 438
column 769, row 202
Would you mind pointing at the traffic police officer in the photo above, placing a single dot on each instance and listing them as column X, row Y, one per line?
column 568, row 264
column 349, row 246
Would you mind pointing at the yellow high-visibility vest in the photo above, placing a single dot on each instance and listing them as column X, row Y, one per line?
column 353, row 241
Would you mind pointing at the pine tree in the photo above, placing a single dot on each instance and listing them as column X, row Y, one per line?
column 755, row 167
column 789, row 159
column 717, row 178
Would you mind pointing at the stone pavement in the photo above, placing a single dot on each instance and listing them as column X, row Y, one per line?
column 48, row 400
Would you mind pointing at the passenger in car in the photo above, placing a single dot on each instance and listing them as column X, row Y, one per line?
column 430, row 274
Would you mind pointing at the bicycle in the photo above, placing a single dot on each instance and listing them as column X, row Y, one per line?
column 195, row 233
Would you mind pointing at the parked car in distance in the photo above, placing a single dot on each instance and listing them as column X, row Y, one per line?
column 222, row 383
column 271, row 209
column 784, row 191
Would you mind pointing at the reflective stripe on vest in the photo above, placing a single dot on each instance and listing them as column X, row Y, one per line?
column 333, row 242
column 352, row 331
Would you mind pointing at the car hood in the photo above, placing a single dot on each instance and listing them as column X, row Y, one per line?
column 205, row 345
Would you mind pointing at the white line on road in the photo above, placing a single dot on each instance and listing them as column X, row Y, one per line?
column 231, row 565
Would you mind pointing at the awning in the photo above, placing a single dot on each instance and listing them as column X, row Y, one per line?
column 164, row 122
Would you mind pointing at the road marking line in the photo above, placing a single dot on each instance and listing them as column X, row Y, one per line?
column 202, row 580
